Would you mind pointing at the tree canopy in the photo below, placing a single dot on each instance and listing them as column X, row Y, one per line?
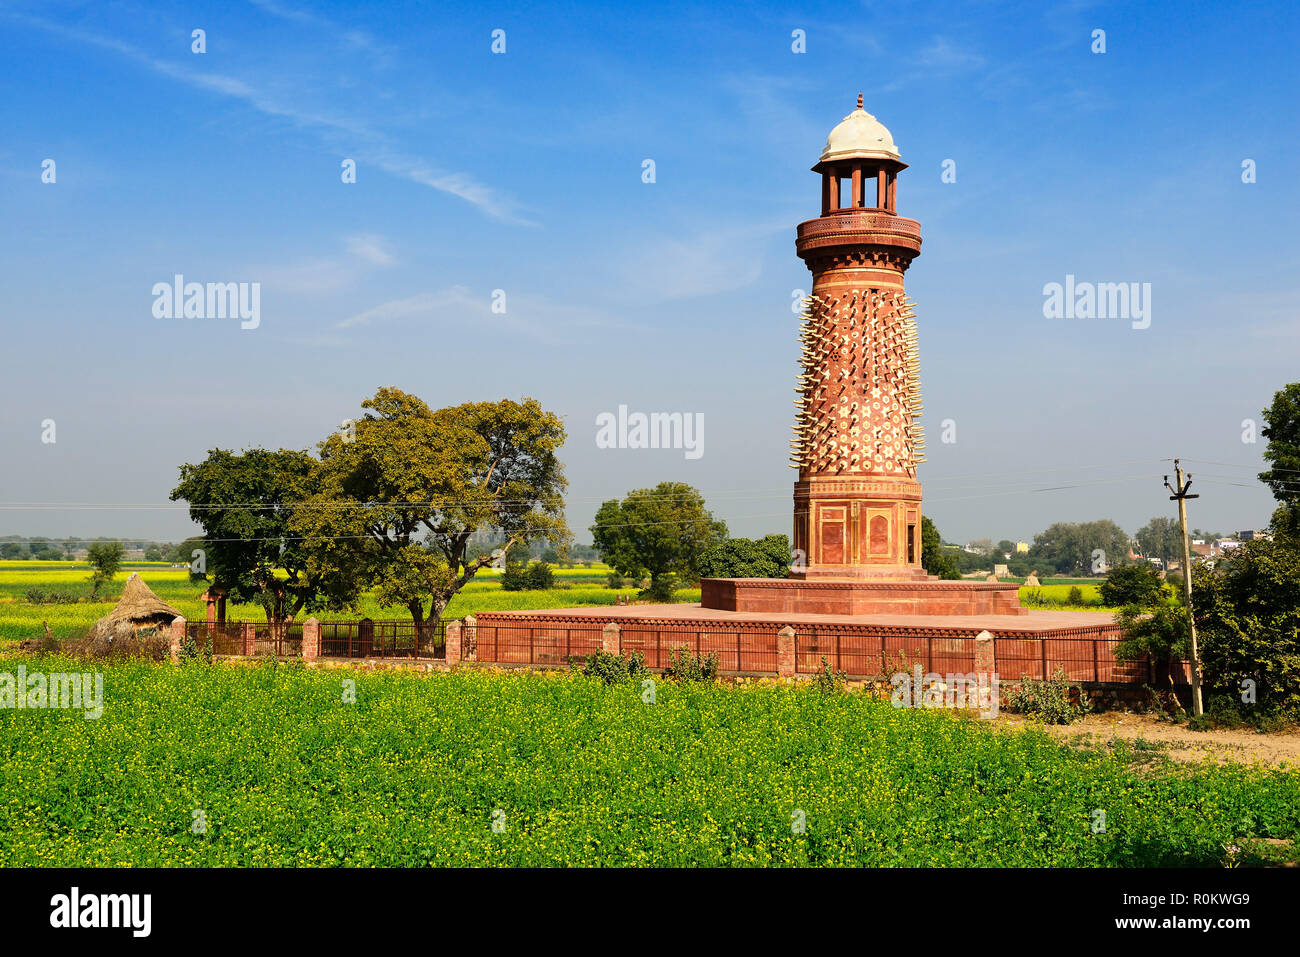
column 106, row 559
column 1069, row 546
column 767, row 557
column 398, row 498
column 661, row 532
column 245, row 503
column 933, row 558
column 1160, row 538
column 1282, row 429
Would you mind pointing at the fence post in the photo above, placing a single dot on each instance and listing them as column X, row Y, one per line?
column 469, row 638
column 609, row 638
column 310, row 640
column 452, row 637
column 177, row 636
column 785, row 652
column 248, row 638
column 985, row 663
column 1042, row 646
column 1096, row 669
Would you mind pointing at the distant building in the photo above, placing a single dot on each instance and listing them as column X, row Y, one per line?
column 1022, row 548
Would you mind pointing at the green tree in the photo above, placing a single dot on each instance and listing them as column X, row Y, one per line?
column 105, row 558
column 183, row 554
column 661, row 532
column 1160, row 538
column 11, row 550
column 399, row 500
column 1073, row 547
column 1136, row 584
column 767, row 557
column 244, row 503
column 934, row 559
column 1282, row 429
column 1248, row 622
column 1160, row 634
column 153, row 554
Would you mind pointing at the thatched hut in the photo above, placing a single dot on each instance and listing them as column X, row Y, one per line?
column 138, row 624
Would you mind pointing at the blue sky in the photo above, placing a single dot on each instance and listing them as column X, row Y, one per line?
column 522, row 172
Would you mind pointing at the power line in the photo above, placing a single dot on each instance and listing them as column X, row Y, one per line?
column 524, row 503
column 1234, row 465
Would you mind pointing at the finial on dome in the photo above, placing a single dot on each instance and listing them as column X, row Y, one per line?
column 859, row 99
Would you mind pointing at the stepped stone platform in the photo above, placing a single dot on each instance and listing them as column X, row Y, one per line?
column 861, row 596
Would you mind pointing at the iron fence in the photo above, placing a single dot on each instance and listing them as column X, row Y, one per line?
column 1080, row 657
column 383, row 639
column 750, row 650
column 738, row 649
column 534, row 644
column 227, row 637
column 284, row 640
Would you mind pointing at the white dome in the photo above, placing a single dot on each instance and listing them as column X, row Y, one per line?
column 858, row 136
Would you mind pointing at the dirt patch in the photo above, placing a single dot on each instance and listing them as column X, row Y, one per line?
column 1243, row 745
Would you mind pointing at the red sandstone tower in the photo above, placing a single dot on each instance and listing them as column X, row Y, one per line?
column 857, row 503
column 857, row 442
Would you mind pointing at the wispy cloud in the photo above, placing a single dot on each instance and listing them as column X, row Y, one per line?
column 943, row 54
column 371, row 248
column 358, row 39
column 533, row 316
column 328, row 275
column 375, row 148
column 703, row 264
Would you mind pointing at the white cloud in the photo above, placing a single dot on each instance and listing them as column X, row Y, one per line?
column 371, row 248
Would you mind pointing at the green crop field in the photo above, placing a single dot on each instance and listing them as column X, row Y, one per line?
column 282, row 770
column 20, row 619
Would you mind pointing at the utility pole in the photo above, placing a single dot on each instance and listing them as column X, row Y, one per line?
column 1180, row 496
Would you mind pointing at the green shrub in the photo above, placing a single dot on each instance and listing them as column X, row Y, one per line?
column 1221, row 711
column 1047, row 700
column 686, row 665
column 535, row 576
column 38, row 596
column 613, row 580
column 540, row 577
column 613, row 669
column 1075, row 597
column 190, row 651
column 830, row 681
column 767, row 557
column 1034, row 598
column 661, row 588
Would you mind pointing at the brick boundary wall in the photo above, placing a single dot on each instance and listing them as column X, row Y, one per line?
column 955, row 651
